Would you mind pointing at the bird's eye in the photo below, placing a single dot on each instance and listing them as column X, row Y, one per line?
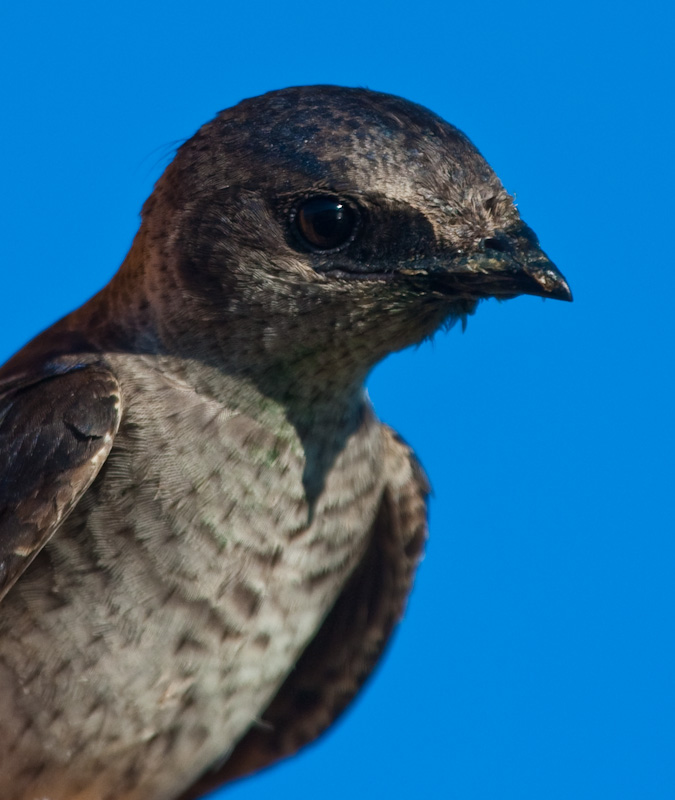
column 325, row 222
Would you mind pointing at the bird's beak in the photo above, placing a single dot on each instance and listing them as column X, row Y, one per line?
column 505, row 265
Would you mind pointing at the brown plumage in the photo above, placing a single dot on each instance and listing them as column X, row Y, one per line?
column 206, row 535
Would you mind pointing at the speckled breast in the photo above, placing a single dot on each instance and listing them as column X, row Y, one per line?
column 166, row 612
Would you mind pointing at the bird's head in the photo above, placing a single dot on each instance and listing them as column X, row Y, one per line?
column 334, row 220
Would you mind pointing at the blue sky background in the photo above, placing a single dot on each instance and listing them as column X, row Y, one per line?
column 537, row 658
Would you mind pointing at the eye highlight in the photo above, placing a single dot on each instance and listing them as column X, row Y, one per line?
column 325, row 222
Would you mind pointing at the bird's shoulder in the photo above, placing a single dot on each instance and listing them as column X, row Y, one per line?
column 59, row 413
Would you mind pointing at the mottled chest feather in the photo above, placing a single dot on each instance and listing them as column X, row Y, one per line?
column 198, row 559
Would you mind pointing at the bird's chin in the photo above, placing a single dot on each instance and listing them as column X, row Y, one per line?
column 343, row 274
column 446, row 302
column 464, row 290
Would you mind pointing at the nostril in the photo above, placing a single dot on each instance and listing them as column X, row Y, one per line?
column 501, row 245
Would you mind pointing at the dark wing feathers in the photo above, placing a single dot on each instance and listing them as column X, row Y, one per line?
column 353, row 636
column 56, row 430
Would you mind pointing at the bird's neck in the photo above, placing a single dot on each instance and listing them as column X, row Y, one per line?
column 305, row 346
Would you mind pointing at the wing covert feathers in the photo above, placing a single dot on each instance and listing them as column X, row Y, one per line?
column 56, row 430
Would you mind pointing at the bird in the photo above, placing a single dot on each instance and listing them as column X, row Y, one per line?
column 207, row 536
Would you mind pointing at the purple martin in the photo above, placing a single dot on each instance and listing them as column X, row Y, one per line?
column 206, row 535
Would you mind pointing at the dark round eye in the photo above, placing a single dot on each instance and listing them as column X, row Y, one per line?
column 325, row 222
